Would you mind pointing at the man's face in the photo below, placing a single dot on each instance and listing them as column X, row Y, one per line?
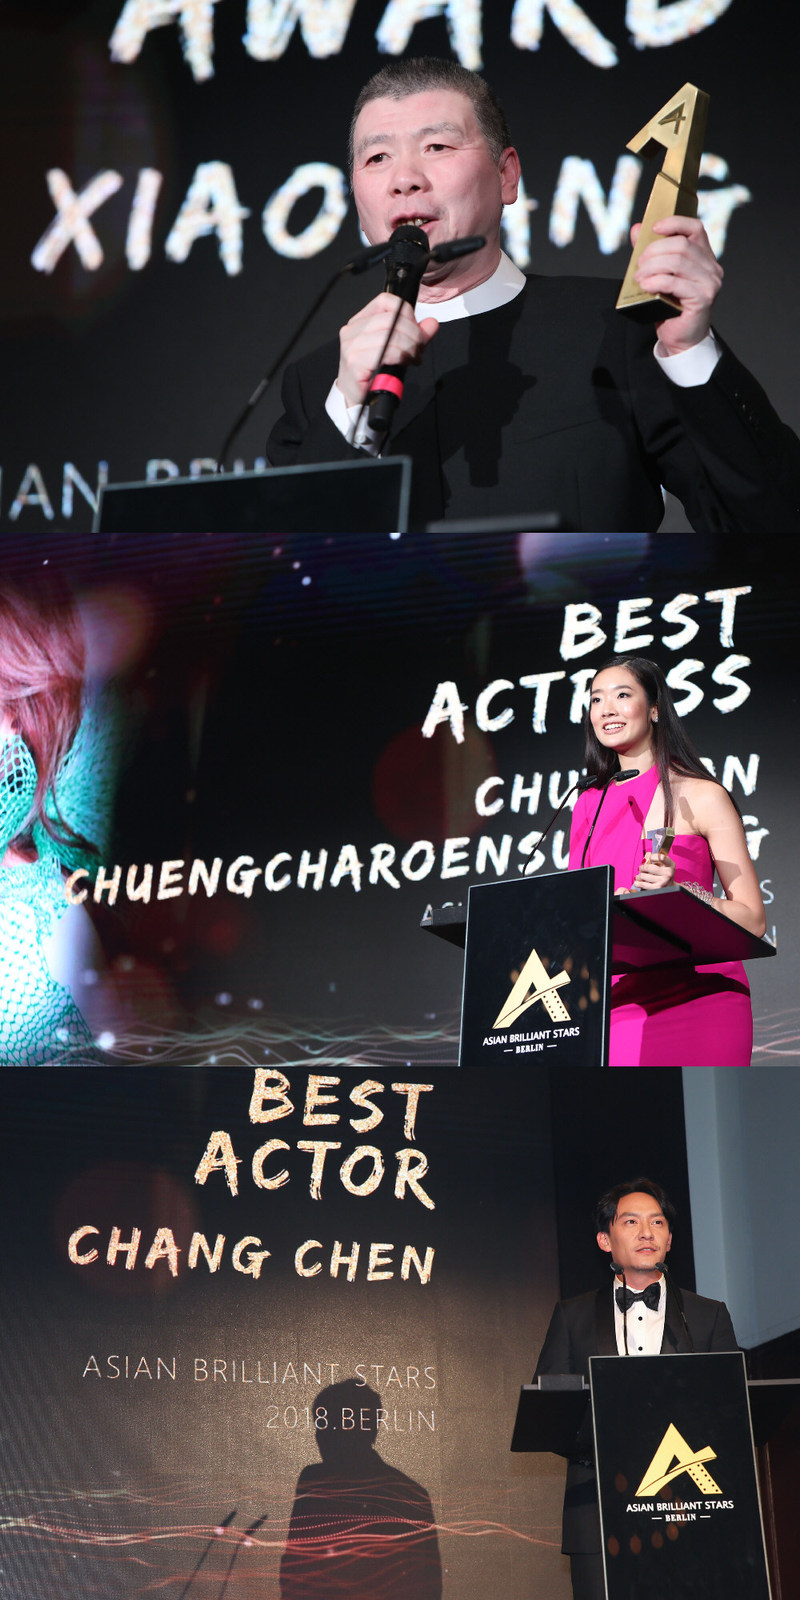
column 638, row 1239
column 424, row 160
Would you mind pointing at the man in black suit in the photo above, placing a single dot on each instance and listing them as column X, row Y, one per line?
column 640, row 1312
column 525, row 394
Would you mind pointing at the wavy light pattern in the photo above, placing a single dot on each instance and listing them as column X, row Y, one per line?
column 122, row 1547
column 291, row 1042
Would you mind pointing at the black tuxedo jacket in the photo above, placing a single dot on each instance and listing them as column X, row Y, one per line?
column 555, row 402
column 584, row 1327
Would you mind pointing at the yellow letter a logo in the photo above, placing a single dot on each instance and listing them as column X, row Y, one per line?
column 534, row 984
column 674, row 1449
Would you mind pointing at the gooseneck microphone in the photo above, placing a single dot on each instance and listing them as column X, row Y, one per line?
column 363, row 262
column 674, row 1291
column 619, row 1272
column 616, row 777
column 580, row 783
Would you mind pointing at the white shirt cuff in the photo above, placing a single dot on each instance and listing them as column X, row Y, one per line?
column 691, row 367
column 344, row 418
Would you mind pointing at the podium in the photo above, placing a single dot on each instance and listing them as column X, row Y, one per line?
column 680, row 1515
column 540, row 953
column 363, row 496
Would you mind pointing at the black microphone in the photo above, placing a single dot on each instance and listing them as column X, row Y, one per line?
column 616, row 777
column 363, row 262
column 368, row 258
column 453, row 248
column 580, row 783
column 408, row 257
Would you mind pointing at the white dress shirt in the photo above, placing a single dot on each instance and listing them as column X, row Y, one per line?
column 645, row 1327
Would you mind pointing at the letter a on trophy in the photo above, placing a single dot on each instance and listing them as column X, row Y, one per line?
column 678, row 129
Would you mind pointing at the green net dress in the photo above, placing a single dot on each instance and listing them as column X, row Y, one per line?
column 40, row 1023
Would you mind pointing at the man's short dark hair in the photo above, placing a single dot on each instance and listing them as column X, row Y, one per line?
column 608, row 1204
column 417, row 74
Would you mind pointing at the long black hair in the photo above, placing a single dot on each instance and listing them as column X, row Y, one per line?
column 673, row 751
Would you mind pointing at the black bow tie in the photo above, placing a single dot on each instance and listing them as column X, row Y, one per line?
column 628, row 1297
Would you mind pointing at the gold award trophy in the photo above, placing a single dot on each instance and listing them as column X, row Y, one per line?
column 679, row 128
column 659, row 839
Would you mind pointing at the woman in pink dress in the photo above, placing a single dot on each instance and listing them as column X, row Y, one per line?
column 689, row 1016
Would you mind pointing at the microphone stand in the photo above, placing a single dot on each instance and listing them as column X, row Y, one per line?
column 580, row 783
column 190, row 1580
column 244, row 1540
column 363, row 262
column 616, row 777
column 360, row 263
column 672, row 1289
column 619, row 1272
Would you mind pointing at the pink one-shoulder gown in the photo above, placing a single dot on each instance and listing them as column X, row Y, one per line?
column 669, row 1017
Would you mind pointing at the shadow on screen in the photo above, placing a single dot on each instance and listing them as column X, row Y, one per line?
column 360, row 1528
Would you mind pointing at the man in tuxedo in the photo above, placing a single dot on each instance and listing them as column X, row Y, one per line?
column 641, row 1312
column 531, row 394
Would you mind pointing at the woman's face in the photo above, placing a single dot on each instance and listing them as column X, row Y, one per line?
column 620, row 714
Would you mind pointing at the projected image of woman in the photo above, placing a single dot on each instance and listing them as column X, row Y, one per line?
column 670, row 1016
column 50, row 789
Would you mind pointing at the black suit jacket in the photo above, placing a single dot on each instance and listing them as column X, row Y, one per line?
column 555, row 402
column 584, row 1327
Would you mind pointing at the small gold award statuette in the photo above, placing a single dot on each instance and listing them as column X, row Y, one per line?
column 659, row 839
column 679, row 129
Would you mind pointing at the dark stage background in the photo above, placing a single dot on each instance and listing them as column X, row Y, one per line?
column 344, row 731
column 124, row 1446
column 273, row 698
column 274, row 695
column 157, row 1413
column 173, row 198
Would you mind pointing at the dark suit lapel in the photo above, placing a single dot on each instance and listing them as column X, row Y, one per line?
column 604, row 1323
column 461, row 348
column 674, row 1340
column 419, row 389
